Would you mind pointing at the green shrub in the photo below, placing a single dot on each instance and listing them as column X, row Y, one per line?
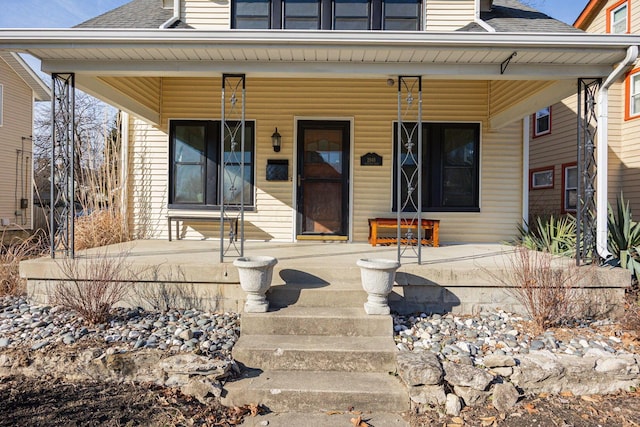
column 553, row 235
column 624, row 237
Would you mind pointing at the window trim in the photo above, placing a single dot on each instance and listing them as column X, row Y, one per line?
column 536, row 132
column 533, row 172
column 327, row 18
column 1, row 105
column 565, row 167
column 614, row 8
column 627, row 94
column 171, row 177
column 426, row 179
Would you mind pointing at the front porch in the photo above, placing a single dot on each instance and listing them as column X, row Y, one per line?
column 459, row 278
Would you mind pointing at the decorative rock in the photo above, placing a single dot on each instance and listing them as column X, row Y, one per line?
column 466, row 376
column 4, row 342
column 496, row 360
column 503, row 372
column 453, row 405
column 421, row 368
column 428, row 394
column 505, row 396
column 470, row 396
column 201, row 388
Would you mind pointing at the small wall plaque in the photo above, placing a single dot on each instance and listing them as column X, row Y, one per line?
column 277, row 170
column 371, row 159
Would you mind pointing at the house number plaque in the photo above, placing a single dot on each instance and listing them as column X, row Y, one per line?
column 371, row 159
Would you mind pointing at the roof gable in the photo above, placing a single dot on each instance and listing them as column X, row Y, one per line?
column 513, row 16
column 135, row 14
column 40, row 90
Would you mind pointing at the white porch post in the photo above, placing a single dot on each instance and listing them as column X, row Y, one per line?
column 525, row 171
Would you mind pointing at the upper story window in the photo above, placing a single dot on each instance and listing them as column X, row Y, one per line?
column 632, row 93
column 542, row 124
column 619, row 18
column 0, row 105
column 392, row 15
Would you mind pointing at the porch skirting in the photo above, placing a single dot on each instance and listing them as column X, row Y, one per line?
column 187, row 274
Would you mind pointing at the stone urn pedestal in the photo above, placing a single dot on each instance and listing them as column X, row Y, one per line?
column 255, row 279
column 377, row 277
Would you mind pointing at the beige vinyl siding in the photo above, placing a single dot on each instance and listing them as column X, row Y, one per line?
column 15, row 167
column 207, row 14
column 630, row 158
column 144, row 90
column 505, row 92
column 372, row 107
column 449, row 15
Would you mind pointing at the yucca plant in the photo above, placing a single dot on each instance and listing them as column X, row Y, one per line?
column 624, row 236
column 554, row 235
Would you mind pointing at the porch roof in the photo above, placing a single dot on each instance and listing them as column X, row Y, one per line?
column 465, row 55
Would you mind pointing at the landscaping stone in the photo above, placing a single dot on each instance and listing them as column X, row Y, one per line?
column 453, row 405
column 505, row 396
column 421, row 368
column 466, row 376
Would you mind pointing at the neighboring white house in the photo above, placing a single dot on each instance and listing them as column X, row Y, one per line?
column 20, row 86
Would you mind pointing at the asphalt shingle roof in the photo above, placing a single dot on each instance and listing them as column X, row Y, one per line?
column 135, row 14
column 513, row 16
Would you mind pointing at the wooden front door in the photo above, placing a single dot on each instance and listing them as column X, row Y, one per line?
column 323, row 179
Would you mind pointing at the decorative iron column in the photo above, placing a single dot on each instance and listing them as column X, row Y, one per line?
column 409, row 166
column 232, row 161
column 587, row 170
column 62, row 165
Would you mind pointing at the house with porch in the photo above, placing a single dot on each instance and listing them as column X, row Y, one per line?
column 554, row 156
column 338, row 84
column 282, row 127
column 20, row 87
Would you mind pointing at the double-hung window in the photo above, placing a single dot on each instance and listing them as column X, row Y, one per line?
column 632, row 108
column 569, row 187
column 195, row 169
column 542, row 124
column 450, row 167
column 618, row 18
column 392, row 15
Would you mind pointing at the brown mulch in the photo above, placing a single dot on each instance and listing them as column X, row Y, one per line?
column 544, row 410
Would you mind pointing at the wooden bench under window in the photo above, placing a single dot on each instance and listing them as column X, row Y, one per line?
column 383, row 231
column 233, row 223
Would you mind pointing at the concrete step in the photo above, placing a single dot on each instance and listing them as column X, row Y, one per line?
column 316, row 353
column 291, row 391
column 309, row 295
column 324, row 419
column 335, row 321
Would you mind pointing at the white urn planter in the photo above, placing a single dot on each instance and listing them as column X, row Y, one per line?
column 255, row 279
column 377, row 277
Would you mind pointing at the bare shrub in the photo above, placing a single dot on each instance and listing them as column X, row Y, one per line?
column 11, row 254
column 94, row 285
column 548, row 293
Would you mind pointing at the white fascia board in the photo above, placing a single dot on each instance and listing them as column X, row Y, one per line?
column 95, row 87
column 321, row 69
column 25, row 39
column 526, row 105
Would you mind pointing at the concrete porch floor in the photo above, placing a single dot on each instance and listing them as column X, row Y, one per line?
column 455, row 277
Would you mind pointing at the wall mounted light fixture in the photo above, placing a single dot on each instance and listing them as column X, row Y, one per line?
column 276, row 141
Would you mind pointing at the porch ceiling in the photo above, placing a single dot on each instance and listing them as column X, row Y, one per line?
column 433, row 55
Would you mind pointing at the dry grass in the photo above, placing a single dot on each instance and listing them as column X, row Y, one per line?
column 11, row 254
column 93, row 285
column 100, row 228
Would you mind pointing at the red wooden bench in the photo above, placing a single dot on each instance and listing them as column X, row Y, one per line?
column 384, row 231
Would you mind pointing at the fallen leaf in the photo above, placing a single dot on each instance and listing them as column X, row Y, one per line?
column 591, row 399
column 531, row 409
column 356, row 421
column 356, row 412
column 334, row 412
column 254, row 409
column 455, row 425
column 543, row 395
column 487, row 421
column 566, row 394
column 584, row 416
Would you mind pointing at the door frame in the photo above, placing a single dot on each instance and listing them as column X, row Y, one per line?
column 294, row 189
